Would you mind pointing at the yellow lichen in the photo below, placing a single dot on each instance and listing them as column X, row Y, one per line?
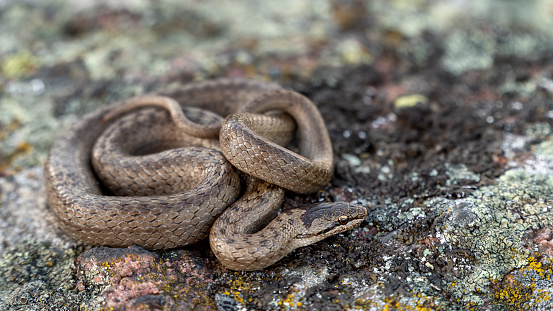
column 19, row 65
column 290, row 301
column 410, row 101
column 514, row 294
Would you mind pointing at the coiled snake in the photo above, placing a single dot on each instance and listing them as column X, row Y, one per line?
column 158, row 194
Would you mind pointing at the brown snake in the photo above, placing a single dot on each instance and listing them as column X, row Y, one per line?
column 158, row 194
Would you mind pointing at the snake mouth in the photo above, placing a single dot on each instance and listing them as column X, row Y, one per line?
column 331, row 229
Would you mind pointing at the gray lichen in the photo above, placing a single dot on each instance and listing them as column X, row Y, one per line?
column 491, row 223
column 35, row 276
column 466, row 51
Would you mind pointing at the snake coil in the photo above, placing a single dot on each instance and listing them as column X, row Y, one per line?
column 169, row 173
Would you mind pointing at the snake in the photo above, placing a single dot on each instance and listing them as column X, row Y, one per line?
column 207, row 159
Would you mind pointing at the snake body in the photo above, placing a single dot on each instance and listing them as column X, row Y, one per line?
column 158, row 194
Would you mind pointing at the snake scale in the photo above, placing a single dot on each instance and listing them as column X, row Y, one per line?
column 164, row 171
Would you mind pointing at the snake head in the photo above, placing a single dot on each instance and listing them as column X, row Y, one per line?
column 325, row 219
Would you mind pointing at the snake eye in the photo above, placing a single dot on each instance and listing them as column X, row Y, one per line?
column 343, row 220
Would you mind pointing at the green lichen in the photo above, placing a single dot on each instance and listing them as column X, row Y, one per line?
column 523, row 87
column 468, row 50
column 459, row 173
column 30, row 124
column 538, row 130
column 510, row 29
column 491, row 224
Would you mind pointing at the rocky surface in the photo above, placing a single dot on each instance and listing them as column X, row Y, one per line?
column 440, row 114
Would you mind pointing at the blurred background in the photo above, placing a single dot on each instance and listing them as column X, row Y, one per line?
column 86, row 50
column 440, row 113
